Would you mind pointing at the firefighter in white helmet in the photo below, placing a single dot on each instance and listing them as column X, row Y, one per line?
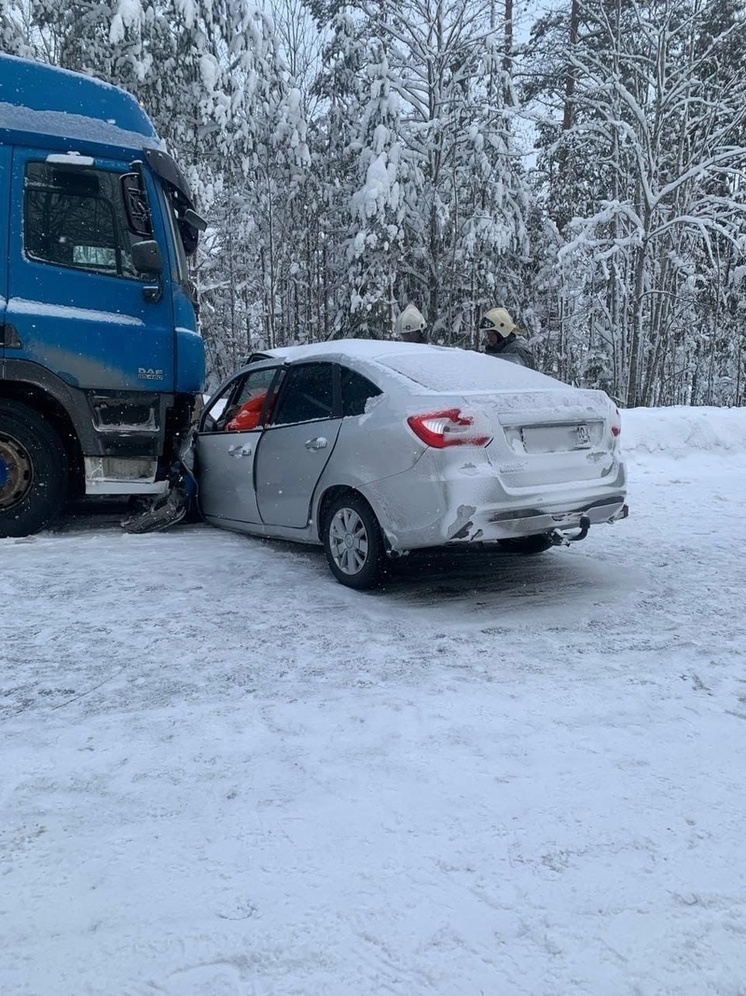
column 502, row 338
column 410, row 325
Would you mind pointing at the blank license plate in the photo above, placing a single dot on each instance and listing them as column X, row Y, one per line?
column 556, row 438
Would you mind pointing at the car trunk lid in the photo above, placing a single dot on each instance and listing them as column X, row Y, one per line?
column 543, row 432
column 548, row 437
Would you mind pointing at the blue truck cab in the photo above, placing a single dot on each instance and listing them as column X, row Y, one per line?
column 101, row 359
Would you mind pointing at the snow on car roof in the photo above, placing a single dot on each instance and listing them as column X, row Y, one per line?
column 465, row 371
column 368, row 349
column 436, row 368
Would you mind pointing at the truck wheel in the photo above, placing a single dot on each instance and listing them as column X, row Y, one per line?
column 33, row 471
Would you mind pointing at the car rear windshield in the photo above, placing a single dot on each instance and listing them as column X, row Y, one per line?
column 459, row 370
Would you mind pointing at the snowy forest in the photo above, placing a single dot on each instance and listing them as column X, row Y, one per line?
column 583, row 166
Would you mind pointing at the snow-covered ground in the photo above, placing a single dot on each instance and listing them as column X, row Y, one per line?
column 223, row 774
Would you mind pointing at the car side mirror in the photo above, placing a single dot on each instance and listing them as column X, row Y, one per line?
column 147, row 258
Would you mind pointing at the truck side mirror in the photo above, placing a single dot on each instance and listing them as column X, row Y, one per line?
column 136, row 205
column 147, row 258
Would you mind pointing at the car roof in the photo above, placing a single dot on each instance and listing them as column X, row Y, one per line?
column 417, row 368
column 336, row 349
column 422, row 370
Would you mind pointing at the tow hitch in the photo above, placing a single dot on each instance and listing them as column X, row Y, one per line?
column 561, row 539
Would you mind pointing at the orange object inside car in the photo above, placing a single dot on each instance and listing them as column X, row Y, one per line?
column 247, row 417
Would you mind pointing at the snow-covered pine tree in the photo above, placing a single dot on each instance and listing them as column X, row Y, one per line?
column 375, row 244
column 492, row 202
column 460, row 196
column 340, row 92
column 663, row 143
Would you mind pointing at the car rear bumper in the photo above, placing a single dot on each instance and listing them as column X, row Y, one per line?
column 418, row 512
column 528, row 522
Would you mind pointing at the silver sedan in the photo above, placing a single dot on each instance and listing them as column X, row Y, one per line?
column 375, row 448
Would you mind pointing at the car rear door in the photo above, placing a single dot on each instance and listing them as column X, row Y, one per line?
column 297, row 444
column 225, row 456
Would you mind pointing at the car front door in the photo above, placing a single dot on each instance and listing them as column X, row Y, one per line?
column 297, row 443
column 230, row 429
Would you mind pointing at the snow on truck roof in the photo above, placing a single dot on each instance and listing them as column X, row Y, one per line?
column 37, row 99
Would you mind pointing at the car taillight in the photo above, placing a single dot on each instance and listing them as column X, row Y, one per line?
column 616, row 423
column 450, row 428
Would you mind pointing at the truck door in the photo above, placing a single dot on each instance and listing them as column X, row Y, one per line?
column 76, row 301
column 4, row 188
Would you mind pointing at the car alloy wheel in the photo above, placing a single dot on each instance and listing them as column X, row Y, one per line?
column 353, row 544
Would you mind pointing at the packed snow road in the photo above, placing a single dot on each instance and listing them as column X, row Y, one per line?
column 226, row 775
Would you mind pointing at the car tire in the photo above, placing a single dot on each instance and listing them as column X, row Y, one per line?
column 353, row 543
column 33, row 471
column 527, row 545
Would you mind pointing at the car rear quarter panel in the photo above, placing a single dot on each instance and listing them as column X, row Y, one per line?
column 370, row 448
column 402, row 479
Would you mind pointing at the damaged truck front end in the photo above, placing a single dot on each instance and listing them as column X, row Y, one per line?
column 101, row 360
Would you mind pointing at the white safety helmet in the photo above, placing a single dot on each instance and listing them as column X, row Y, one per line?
column 410, row 320
column 498, row 320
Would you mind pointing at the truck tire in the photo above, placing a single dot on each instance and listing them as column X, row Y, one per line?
column 33, row 471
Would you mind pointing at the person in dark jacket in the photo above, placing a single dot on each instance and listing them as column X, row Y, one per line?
column 502, row 338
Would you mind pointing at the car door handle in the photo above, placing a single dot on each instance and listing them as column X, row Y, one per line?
column 239, row 450
column 319, row 443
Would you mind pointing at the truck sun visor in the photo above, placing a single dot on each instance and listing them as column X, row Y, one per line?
column 190, row 223
column 169, row 170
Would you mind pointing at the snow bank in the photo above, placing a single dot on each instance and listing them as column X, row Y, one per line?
column 681, row 431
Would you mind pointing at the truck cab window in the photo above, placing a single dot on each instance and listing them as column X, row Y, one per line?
column 75, row 217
